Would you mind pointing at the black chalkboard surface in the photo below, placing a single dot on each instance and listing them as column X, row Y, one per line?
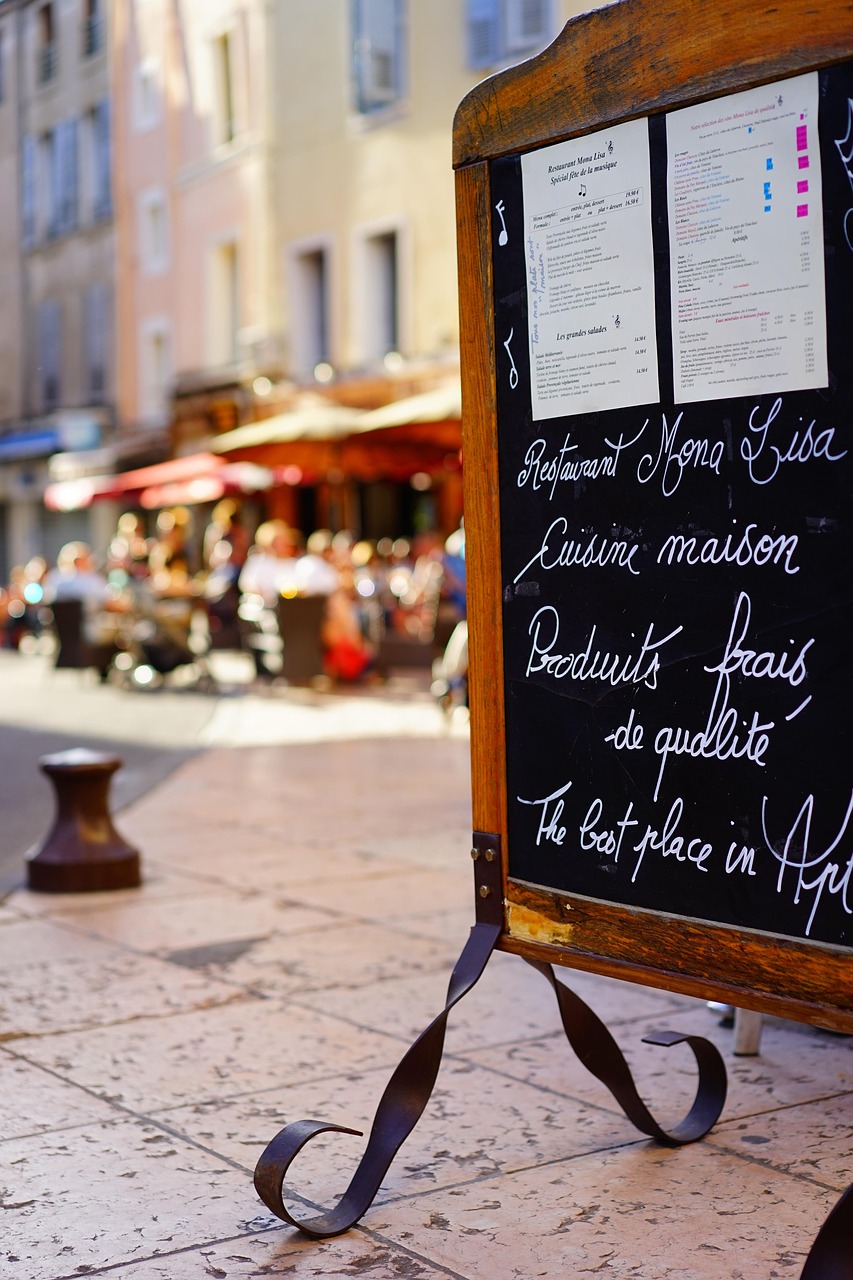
column 678, row 602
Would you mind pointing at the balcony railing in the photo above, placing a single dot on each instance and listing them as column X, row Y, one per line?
column 93, row 35
column 48, row 62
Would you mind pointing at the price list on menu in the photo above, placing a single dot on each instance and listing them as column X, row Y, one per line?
column 673, row 312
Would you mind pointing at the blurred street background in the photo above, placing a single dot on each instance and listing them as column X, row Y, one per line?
column 230, row 321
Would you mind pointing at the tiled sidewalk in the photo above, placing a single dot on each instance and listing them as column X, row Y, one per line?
column 303, row 907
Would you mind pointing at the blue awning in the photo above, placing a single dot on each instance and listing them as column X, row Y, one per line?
column 28, row 444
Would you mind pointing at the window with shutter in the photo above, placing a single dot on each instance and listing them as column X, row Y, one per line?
column 484, row 32
column 51, row 181
column 224, row 123
column 50, row 354
column 28, row 191
column 95, row 330
column 501, row 29
column 527, row 23
column 69, row 171
column 378, row 49
column 102, row 201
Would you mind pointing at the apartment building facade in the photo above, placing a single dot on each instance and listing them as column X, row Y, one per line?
column 57, row 329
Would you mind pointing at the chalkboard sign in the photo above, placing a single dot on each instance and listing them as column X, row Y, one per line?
column 659, row 471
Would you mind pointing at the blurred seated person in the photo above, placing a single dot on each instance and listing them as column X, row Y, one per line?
column 418, row 603
column 269, row 571
column 347, row 654
column 168, row 555
column 315, row 573
column 127, row 555
column 221, row 595
column 77, row 578
column 454, row 569
column 225, row 526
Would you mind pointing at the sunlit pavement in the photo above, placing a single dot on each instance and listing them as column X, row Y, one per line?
column 305, row 897
column 229, row 709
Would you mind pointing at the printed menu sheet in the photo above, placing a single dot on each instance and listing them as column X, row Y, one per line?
column 746, row 243
column 590, row 273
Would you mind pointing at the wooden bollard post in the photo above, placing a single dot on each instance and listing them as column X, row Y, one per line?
column 83, row 852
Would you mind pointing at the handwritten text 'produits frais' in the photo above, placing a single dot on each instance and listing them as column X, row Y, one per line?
column 805, row 871
column 728, row 732
column 663, row 454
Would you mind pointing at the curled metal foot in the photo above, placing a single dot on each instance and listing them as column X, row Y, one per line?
column 831, row 1255
column 600, row 1054
column 400, row 1107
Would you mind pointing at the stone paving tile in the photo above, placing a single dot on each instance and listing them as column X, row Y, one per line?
column 642, row 1212
column 792, row 1068
column 208, row 916
column 813, row 1140
column 285, row 869
column 32, row 1100
column 105, row 1194
column 236, row 1048
column 449, row 925
column 388, row 896
column 283, row 1252
column 159, row 882
column 446, row 847
column 25, row 942
column 48, row 997
column 510, row 1004
column 343, row 956
column 475, row 1125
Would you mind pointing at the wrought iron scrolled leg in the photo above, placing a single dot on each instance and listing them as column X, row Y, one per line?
column 400, row 1107
column 600, row 1054
column 831, row 1255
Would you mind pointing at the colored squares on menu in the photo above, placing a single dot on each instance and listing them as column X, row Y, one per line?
column 768, row 164
column 802, row 163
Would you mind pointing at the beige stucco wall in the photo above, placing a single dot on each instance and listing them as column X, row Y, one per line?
column 339, row 175
column 215, row 192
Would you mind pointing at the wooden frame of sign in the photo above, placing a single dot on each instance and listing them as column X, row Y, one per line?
column 656, row 291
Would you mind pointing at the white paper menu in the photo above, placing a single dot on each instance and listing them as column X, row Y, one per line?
column 746, row 243
column 590, row 273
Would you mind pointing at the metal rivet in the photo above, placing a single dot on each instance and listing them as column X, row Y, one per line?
column 491, row 854
column 475, row 853
column 485, row 891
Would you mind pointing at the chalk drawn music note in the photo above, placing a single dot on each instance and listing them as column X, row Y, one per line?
column 513, row 373
column 504, row 235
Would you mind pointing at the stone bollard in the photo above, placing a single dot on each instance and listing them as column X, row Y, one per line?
column 83, row 852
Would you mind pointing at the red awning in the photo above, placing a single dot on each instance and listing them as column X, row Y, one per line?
column 199, row 477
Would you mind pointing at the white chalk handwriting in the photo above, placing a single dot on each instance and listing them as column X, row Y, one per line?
column 801, row 444
column 590, row 552
column 817, row 872
column 673, row 456
column 589, row 663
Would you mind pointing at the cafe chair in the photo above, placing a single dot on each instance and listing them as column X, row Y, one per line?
column 73, row 651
